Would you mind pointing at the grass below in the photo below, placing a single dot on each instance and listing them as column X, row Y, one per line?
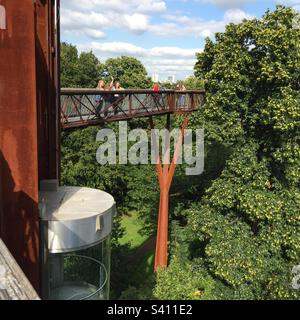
column 141, row 258
column 132, row 225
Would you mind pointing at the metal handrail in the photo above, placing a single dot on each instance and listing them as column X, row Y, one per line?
column 83, row 107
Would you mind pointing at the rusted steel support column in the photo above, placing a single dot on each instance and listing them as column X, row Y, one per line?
column 48, row 99
column 19, row 220
column 165, row 178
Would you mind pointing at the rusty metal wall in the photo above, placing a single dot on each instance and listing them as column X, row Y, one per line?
column 19, row 227
column 47, row 88
column 29, row 123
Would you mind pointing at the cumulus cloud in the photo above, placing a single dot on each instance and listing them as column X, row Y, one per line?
column 94, row 34
column 177, row 25
column 123, row 48
column 227, row 3
column 140, row 6
column 136, row 22
column 236, row 16
column 289, row 1
column 160, row 60
column 92, row 19
column 99, row 15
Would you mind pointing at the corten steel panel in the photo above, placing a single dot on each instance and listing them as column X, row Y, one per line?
column 18, row 138
column 48, row 115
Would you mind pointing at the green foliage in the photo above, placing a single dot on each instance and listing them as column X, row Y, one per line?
column 85, row 70
column 132, row 224
column 88, row 65
column 193, row 83
column 245, row 230
column 133, row 293
column 129, row 71
column 69, row 66
column 78, row 71
column 251, row 231
column 183, row 281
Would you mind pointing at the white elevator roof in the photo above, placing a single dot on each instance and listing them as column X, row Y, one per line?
column 74, row 203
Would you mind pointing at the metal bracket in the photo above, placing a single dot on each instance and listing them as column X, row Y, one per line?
column 99, row 223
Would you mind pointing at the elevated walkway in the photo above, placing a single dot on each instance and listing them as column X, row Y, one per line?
column 85, row 107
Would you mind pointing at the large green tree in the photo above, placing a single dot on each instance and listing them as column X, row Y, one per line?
column 68, row 66
column 129, row 71
column 78, row 71
column 193, row 83
column 245, row 231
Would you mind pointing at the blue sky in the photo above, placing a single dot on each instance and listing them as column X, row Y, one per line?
column 164, row 35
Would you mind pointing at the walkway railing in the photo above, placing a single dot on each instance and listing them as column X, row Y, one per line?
column 85, row 107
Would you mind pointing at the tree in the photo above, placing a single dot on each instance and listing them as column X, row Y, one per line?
column 88, row 70
column 193, row 83
column 245, row 230
column 69, row 66
column 184, row 280
column 129, row 71
column 78, row 71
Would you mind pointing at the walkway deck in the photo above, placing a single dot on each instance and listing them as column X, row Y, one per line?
column 85, row 107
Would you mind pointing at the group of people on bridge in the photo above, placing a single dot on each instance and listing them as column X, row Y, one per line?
column 179, row 87
column 114, row 85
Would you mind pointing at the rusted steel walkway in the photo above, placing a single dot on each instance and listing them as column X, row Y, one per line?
column 85, row 107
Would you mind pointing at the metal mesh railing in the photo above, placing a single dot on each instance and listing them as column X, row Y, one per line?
column 82, row 107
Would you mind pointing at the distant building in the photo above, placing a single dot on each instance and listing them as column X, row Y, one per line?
column 172, row 79
column 155, row 77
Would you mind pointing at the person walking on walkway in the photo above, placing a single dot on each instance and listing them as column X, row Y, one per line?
column 116, row 87
column 181, row 97
column 99, row 97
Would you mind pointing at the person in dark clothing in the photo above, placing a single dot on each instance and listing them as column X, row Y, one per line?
column 99, row 98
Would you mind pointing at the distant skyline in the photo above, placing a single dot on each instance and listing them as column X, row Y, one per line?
column 164, row 35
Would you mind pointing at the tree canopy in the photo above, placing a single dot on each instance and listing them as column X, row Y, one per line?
column 78, row 70
column 245, row 230
column 129, row 71
column 193, row 83
column 84, row 70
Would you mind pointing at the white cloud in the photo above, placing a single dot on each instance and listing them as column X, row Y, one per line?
column 152, row 6
column 97, row 16
column 161, row 60
column 236, row 15
column 136, row 22
column 94, row 34
column 227, row 3
column 77, row 20
column 91, row 19
column 290, row 1
column 141, row 6
column 188, row 26
column 100, row 15
column 123, row 48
